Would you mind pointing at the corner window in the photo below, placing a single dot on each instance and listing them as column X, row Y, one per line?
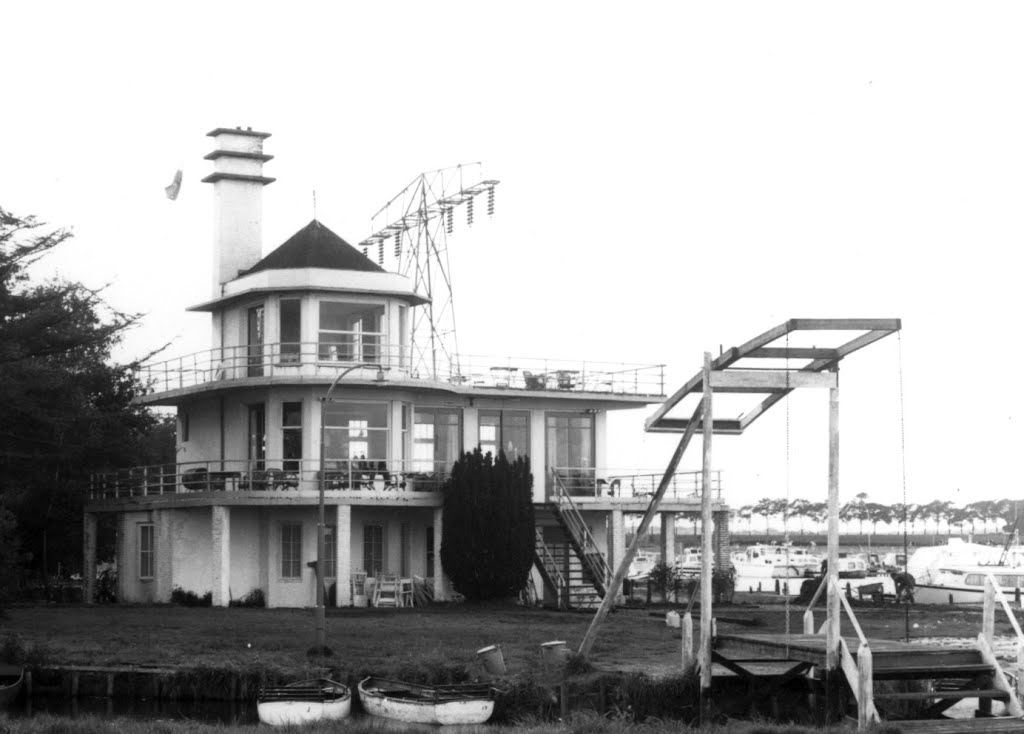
column 147, row 550
column 291, row 550
column 356, row 431
column 330, row 551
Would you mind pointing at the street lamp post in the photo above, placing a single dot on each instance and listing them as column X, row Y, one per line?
column 321, row 611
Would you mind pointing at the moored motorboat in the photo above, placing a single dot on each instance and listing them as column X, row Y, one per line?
column 774, row 561
column 303, row 702
column 12, row 677
column 416, row 704
column 966, row 584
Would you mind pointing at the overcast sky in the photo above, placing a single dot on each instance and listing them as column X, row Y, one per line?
column 674, row 177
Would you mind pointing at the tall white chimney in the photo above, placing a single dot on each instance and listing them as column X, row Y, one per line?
column 238, row 183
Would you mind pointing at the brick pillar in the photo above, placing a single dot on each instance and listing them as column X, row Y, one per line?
column 220, row 556
column 441, row 585
column 722, row 540
column 668, row 537
column 89, row 556
column 343, row 554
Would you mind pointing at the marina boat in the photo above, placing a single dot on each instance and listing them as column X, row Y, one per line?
column 783, row 561
column 851, row 566
column 415, row 704
column 689, row 562
column 926, row 562
column 641, row 565
column 304, row 702
column 966, row 584
column 11, row 679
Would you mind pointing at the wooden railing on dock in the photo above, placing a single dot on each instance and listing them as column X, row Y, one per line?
column 994, row 593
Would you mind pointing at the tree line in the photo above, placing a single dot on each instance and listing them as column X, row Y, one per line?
column 984, row 515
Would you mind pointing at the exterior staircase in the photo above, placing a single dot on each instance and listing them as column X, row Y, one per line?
column 565, row 577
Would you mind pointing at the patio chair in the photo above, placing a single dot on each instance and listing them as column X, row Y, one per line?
column 405, row 593
column 385, row 594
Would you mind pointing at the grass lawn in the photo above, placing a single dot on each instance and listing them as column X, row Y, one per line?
column 385, row 641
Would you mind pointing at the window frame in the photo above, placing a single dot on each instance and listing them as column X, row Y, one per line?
column 147, row 555
column 293, row 544
column 369, row 543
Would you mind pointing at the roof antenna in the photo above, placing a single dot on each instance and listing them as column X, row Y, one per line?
column 314, row 205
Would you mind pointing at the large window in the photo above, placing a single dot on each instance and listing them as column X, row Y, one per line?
column 291, row 550
column 291, row 436
column 437, row 439
column 291, row 329
column 373, row 549
column 257, row 436
column 505, row 430
column 350, row 332
column 147, row 550
column 570, row 444
column 356, row 431
column 254, row 340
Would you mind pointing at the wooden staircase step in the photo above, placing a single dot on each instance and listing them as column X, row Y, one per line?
column 908, row 672
column 994, row 693
column 1000, row 724
column 885, row 660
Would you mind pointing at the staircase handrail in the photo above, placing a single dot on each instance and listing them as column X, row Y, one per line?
column 859, row 674
column 581, row 532
column 809, row 612
column 993, row 593
column 548, row 560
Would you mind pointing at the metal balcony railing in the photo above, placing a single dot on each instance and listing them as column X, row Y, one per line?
column 241, row 475
column 326, row 359
column 630, row 483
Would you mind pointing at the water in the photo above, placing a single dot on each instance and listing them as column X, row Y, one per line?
column 210, row 712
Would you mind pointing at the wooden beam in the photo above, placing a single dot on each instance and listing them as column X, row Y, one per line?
column 707, row 548
column 620, row 573
column 862, row 341
column 794, row 353
column 777, row 379
column 722, row 426
column 845, row 324
column 832, row 638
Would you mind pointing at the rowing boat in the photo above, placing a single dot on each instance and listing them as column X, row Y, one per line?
column 321, row 699
column 416, row 704
column 11, row 679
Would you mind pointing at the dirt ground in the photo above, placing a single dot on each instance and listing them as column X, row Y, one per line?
column 384, row 640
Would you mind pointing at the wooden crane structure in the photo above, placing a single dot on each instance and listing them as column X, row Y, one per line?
column 800, row 353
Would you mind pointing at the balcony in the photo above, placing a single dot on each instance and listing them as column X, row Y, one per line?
column 631, row 484
column 363, row 478
column 462, row 373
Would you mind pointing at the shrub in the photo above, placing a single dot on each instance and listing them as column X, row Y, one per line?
column 190, row 598
column 488, row 539
column 254, row 599
column 723, row 585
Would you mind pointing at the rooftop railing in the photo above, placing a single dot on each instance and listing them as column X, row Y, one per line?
column 326, row 359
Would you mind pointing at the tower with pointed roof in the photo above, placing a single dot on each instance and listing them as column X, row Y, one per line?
column 308, row 385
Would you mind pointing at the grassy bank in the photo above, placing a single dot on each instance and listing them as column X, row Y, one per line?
column 578, row 724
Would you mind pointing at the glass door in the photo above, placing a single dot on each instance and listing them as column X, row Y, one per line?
column 254, row 341
column 257, row 437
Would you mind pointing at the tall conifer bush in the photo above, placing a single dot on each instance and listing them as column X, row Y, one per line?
column 487, row 541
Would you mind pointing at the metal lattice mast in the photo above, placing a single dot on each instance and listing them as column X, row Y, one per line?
column 418, row 221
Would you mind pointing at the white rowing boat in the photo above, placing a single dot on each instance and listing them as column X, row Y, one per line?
column 416, row 704
column 304, row 702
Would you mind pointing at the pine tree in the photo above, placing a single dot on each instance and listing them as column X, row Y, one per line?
column 487, row 542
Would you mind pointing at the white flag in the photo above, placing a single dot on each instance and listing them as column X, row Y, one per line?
column 175, row 187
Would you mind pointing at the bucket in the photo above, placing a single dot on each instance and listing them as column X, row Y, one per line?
column 493, row 660
column 672, row 619
column 554, row 654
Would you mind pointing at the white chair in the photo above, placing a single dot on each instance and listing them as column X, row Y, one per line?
column 405, row 593
column 386, row 592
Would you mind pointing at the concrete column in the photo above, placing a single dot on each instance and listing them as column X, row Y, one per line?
column 343, row 552
column 723, row 539
column 220, row 556
column 89, row 556
column 668, row 537
column 124, row 562
column 441, row 585
column 164, row 579
column 617, row 547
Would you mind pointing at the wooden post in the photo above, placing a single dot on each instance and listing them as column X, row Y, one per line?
column 865, row 687
column 832, row 628
column 707, row 550
column 988, row 612
column 1019, row 670
column 687, row 630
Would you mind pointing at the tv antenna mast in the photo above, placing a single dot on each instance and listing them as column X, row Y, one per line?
column 417, row 221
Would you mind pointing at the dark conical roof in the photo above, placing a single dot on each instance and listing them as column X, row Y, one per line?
column 315, row 246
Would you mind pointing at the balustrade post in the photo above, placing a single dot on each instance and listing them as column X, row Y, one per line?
column 865, row 686
column 687, row 648
column 988, row 613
